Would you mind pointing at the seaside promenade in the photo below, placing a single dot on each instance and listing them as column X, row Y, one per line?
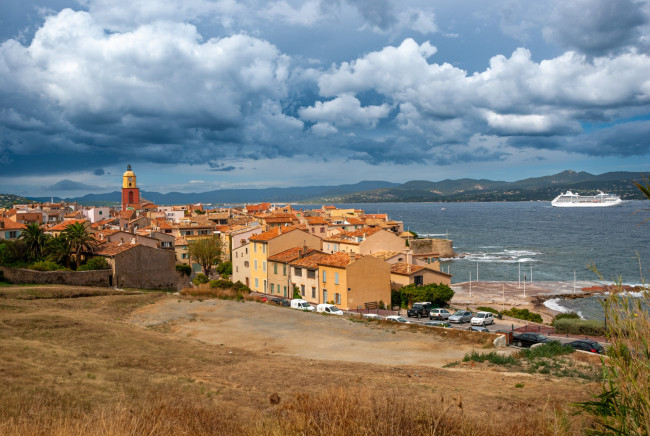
column 506, row 294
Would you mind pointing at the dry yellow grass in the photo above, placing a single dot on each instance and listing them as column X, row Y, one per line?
column 74, row 367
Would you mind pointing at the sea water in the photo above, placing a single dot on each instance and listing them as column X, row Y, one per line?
column 533, row 241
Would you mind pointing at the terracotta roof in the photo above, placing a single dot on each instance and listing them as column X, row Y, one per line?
column 405, row 269
column 271, row 234
column 281, row 219
column 383, row 255
column 315, row 220
column 11, row 225
column 63, row 224
column 127, row 214
column 114, row 248
column 310, row 261
column 329, row 207
column 258, row 207
column 162, row 224
column 289, row 255
column 337, row 260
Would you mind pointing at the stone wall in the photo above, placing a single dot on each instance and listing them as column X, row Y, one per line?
column 75, row 278
column 147, row 268
column 441, row 247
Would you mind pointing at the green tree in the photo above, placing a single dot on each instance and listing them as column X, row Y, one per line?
column 206, row 252
column 437, row 293
column 80, row 240
column 225, row 269
column 58, row 250
column 33, row 239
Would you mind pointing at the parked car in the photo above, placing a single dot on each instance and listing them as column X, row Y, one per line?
column 529, row 339
column 397, row 318
column 419, row 309
column 329, row 308
column 280, row 301
column 301, row 304
column 478, row 328
column 587, row 345
column 439, row 314
column 437, row 324
column 461, row 316
column 482, row 318
column 371, row 315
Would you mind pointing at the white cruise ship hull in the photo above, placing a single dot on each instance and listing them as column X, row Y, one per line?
column 574, row 200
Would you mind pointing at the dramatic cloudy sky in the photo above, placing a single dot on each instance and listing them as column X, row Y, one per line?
column 203, row 94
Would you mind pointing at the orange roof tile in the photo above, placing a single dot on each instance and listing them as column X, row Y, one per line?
column 311, row 260
column 289, row 255
column 273, row 233
column 114, row 248
column 10, row 224
column 337, row 260
column 315, row 220
column 405, row 269
column 63, row 224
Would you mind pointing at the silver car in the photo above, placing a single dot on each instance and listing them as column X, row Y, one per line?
column 439, row 314
column 461, row 316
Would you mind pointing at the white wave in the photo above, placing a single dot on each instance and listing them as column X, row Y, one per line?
column 554, row 304
column 521, row 253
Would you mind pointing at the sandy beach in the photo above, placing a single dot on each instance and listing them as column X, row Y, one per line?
column 529, row 295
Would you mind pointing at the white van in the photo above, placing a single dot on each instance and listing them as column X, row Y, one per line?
column 302, row 305
column 329, row 308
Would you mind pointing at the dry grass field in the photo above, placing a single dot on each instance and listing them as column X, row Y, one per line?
column 86, row 361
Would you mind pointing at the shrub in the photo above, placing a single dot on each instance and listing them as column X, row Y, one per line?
column 524, row 314
column 487, row 309
column 94, row 264
column 184, row 269
column 438, row 294
column 225, row 269
column 492, row 357
column 550, row 349
column 46, row 265
column 570, row 315
column 240, row 287
column 588, row 327
column 223, row 284
column 200, row 279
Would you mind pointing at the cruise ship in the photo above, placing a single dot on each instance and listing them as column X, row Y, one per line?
column 569, row 199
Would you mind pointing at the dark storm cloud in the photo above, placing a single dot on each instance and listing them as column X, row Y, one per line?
column 629, row 139
column 596, row 27
column 99, row 172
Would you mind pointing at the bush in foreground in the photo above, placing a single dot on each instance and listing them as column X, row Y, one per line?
column 94, row 264
column 587, row 327
column 200, row 279
column 524, row 314
column 46, row 265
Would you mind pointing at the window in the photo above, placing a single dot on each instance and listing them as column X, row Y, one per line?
column 184, row 256
column 324, row 295
column 255, row 264
column 338, row 298
column 324, row 276
column 313, row 230
column 313, row 292
column 275, row 268
column 297, row 272
column 285, row 290
column 246, row 250
column 302, row 290
column 236, row 269
column 246, row 264
column 263, row 248
column 418, row 280
column 311, row 273
column 264, row 265
column 272, row 287
column 284, row 270
column 257, row 283
column 322, row 229
column 336, row 278
column 254, row 247
column 236, row 255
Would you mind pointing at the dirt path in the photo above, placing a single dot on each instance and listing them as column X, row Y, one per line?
column 265, row 328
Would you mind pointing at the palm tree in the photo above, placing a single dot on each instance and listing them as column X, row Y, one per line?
column 33, row 239
column 59, row 250
column 79, row 240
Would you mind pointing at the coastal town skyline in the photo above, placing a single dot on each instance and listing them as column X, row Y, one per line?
column 213, row 94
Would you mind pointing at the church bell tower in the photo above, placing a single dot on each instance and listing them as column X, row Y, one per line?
column 130, row 190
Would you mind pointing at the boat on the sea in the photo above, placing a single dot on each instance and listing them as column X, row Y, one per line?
column 569, row 199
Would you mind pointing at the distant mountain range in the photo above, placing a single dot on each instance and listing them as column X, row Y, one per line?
column 538, row 188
